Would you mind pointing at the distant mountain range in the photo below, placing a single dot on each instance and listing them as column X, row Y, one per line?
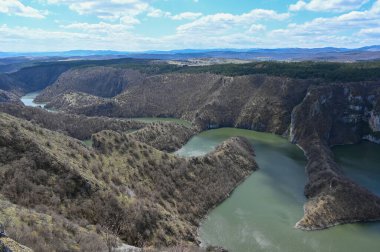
column 282, row 54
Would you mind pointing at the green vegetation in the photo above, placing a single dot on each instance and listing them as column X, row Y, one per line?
column 329, row 71
column 336, row 72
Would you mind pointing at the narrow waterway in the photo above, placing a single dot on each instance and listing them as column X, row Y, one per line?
column 28, row 100
column 261, row 213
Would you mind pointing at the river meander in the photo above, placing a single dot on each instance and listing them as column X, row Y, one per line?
column 261, row 213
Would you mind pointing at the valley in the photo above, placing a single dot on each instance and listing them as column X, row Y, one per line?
column 158, row 139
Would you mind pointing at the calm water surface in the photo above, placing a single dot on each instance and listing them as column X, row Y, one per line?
column 28, row 100
column 261, row 213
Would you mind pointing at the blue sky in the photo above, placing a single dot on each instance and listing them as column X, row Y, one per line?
column 137, row 25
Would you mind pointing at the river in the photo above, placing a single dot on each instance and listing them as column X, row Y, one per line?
column 260, row 214
column 28, row 100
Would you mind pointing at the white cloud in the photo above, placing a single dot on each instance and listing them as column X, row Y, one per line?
column 186, row 15
column 106, row 9
column 157, row 13
column 328, row 5
column 15, row 7
column 222, row 22
column 256, row 28
column 100, row 28
column 372, row 32
column 220, row 30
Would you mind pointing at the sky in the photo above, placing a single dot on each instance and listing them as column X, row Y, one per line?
column 140, row 25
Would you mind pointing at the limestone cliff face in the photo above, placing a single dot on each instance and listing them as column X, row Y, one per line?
column 315, row 114
column 255, row 102
column 337, row 113
column 99, row 81
column 330, row 115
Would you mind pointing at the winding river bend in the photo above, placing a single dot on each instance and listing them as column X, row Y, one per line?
column 261, row 212
column 28, row 100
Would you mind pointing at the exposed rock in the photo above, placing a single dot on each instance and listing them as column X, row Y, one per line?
column 255, row 102
column 336, row 113
column 330, row 115
column 374, row 121
column 98, row 81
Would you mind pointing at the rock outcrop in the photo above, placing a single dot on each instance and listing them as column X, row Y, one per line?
column 98, row 81
column 255, row 102
column 331, row 115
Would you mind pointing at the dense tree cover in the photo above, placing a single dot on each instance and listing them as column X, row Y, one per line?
column 43, row 74
column 328, row 71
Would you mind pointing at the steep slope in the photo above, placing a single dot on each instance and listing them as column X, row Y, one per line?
column 8, row 97
column 9, row 84
column 98, row 81
column 80, row 127
column 164, row 136
column 37, row 77
column 315, row 114
column 255, row 102
column 122, row 186
column 331, row 115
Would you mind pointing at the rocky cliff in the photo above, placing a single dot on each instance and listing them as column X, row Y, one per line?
column 316, row 115
column 331, row 115
column 255, row 102
column 98, row 81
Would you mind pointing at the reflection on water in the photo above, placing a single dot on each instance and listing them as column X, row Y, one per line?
column 261, row 213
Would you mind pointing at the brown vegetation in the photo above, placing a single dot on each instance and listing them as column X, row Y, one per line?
column 122, row 187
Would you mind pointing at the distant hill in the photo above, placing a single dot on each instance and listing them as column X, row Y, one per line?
column 280, row 54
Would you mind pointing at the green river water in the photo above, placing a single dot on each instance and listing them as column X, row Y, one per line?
column 261, row 213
